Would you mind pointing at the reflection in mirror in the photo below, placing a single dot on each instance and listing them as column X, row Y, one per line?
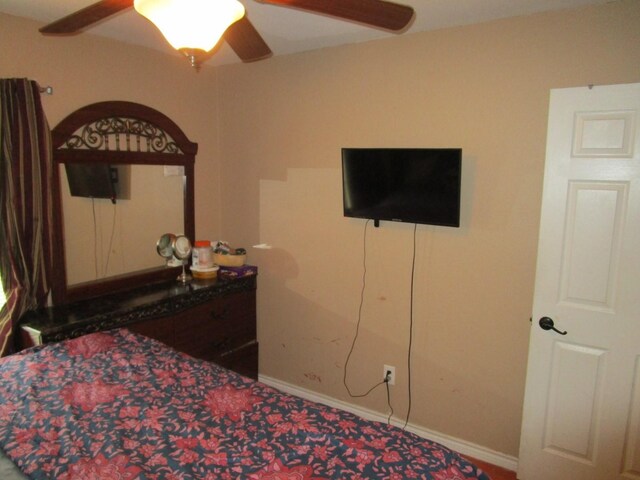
column 165, row 246
column 105, row 239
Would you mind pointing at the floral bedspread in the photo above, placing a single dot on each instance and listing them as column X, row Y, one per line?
column 117, row 405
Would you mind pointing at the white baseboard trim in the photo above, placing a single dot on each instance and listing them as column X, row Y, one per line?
column 462, row 446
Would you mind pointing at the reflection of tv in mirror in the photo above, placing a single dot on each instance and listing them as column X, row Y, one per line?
column 99, row 180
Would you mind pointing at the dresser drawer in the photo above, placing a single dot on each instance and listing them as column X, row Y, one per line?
column 221, row 325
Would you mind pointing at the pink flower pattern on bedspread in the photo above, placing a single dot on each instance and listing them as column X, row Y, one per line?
column 101, row 468
column 230, row 401
column 90, row 345
column 89, row 395
column 117, row 405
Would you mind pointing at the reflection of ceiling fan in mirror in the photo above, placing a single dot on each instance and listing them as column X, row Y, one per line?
column 197, row 16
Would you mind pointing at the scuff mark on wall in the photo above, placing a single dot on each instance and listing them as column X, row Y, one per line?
column 313, row 377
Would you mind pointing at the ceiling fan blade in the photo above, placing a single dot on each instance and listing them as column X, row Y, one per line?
column 377, row 13
column 87, row 16
column 245, row 40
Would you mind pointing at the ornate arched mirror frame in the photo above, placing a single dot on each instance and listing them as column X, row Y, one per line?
column 116, row 132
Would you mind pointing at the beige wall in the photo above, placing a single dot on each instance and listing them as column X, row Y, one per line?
column 484, row 88
column 268, row 170
column 84, row 69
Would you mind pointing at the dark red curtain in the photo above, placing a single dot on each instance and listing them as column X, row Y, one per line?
column 25, row 203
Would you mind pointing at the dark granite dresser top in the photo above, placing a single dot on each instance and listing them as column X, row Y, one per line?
column 122, row 308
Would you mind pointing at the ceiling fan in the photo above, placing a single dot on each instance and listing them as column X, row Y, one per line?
column 241, row 35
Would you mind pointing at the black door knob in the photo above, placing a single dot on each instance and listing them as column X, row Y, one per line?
column 546, row 323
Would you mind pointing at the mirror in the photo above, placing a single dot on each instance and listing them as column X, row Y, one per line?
column 107, row 244
column 105, row 238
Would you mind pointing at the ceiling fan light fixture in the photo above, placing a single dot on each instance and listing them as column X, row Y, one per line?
column 191, row 24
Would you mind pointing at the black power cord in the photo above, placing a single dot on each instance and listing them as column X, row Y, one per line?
column 413, row 271
column 384, row 381
column 95, row 237
column 113, row 232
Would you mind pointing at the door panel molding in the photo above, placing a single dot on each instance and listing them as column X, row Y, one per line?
column 589, row 270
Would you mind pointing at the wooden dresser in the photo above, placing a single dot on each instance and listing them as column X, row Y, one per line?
column 209, row 319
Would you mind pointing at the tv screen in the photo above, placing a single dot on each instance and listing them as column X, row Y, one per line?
column 91, row 180
column 415, row 185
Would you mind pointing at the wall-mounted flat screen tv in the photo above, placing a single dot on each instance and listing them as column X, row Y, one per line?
column 97, row 180
column 414, row 185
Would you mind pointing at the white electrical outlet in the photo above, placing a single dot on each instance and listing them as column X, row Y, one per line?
column 391, row 372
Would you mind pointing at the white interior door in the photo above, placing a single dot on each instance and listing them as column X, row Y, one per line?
column 581, row 416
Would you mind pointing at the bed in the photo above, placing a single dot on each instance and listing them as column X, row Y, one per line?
column 119, row 405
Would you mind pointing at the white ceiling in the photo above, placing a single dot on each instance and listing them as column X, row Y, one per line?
column 287, row 30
